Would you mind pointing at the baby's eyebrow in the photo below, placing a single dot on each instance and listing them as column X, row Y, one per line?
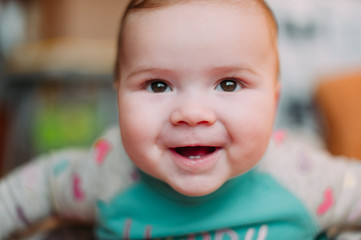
column 231, row 69
column 211, row 71
column 149, row 70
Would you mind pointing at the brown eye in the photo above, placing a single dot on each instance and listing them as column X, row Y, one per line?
column 158, row 87
column 228, row 85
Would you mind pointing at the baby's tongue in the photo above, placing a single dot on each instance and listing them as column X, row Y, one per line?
column 194, row 152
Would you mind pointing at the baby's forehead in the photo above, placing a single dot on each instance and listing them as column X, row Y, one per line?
column 246, row 7
column 257, row 7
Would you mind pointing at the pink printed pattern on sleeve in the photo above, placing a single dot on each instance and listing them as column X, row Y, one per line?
column 279, row 136
column 327, row 202
column 102, row 149
column 78, row 192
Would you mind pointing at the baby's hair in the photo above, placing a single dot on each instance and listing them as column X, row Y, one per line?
column 135, row 5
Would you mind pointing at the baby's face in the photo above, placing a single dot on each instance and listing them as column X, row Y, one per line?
column 197, row 93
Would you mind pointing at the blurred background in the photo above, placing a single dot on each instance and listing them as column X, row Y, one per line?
column 56, row 62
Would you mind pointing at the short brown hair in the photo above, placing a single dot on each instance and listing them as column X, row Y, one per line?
column 135, row 5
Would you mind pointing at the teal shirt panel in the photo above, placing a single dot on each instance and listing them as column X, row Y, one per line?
column 251, row 207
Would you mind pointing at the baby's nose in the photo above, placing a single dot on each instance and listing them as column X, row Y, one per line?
column 193, row 114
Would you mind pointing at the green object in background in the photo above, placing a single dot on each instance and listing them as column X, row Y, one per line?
column 64, row 125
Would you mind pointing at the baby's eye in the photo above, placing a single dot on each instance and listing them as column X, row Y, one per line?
column 158, row 87
column 229, row 85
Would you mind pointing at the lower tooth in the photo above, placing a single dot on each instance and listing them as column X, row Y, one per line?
column 194, row 157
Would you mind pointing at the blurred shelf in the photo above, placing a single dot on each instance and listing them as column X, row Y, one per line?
column 66, row 58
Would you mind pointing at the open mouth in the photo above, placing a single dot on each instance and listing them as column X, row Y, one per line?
column 196, row 152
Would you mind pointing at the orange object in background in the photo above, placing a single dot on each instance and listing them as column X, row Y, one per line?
column 339, row 101
column 89, row 19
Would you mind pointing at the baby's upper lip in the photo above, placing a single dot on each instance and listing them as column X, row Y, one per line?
column 197, row 136
column 195, row 145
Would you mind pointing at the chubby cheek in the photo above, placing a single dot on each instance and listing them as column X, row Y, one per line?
column 139, row 126
column 132, row 124
column 245, row 154
column 250, row 138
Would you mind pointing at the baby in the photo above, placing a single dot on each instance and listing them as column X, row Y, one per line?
column 198, row 88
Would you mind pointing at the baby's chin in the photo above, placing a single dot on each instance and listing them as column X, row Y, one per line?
column 196, row 187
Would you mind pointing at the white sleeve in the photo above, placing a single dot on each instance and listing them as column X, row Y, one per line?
column 329, row 186
column 66, row 183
